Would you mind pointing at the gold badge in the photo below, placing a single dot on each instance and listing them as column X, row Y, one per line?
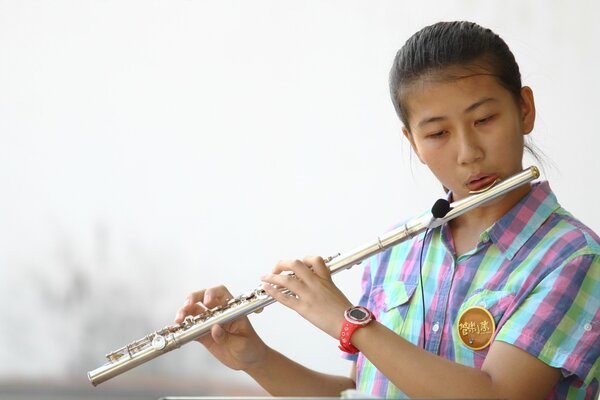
column 476, row 327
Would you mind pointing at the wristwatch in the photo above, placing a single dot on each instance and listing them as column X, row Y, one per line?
column 354, row 318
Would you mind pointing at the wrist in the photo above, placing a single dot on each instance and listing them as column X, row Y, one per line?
column 257, row 366
column 355, row 318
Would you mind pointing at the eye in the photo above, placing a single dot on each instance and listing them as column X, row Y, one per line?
column 485, row 120
column 436, row 135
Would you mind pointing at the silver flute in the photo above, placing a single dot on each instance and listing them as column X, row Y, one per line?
column 173, row 336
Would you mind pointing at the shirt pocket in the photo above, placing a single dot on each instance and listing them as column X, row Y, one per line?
column 390, row 303
column 496, row 302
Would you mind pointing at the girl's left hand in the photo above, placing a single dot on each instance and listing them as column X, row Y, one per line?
column 315, row 296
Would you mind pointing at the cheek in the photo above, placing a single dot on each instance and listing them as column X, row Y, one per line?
column 437, row 151
column 508, row 147
column 436, row 159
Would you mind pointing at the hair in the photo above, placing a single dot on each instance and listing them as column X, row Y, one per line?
column 434, row 48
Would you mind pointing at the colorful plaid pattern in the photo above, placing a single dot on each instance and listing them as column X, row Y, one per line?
column 537, row 270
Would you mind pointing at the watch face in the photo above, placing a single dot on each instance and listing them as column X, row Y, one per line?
column 358, row 314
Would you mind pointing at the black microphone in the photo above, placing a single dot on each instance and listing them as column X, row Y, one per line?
column 440, row 208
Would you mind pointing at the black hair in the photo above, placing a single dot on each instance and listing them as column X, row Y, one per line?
column 446, row 44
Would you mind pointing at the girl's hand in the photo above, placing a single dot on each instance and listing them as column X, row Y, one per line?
column 235, row 344
column 314, row 295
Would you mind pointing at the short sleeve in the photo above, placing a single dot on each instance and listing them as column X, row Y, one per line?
column 559, row 321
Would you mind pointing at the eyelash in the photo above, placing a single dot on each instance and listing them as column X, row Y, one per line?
column 438, row 135
column 485, row 120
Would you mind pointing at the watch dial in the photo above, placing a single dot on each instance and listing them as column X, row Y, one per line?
column 358, row 314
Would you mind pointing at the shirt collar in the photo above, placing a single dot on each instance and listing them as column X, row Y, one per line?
column 511, row 231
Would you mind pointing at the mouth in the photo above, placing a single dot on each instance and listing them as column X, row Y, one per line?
column 481, row 182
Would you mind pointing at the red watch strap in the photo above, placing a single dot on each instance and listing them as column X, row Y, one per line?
column 348, row 328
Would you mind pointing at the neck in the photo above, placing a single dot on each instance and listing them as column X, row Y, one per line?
column 486, row 215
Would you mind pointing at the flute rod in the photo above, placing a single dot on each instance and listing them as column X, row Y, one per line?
column 193, row 327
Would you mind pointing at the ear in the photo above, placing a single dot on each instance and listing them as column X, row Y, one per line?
column 410, row 139
column 527, row 110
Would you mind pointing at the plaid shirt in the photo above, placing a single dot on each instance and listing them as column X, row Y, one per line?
column 536, row 270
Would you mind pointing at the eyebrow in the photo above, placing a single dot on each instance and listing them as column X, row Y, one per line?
column 469, row 109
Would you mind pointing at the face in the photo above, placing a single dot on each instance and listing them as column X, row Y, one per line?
column 469, row 131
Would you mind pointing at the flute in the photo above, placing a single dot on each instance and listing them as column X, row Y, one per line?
column 173, row 336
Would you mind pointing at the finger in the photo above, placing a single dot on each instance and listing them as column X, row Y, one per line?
column 201, row 300
column 218, row 334
column 194, row 310
column 216, row 296
column 299, row 269
column 318, row 266
column 194, row 297
column 190, row 305
column 288, row 300
column 280, row 282
column 191, row 300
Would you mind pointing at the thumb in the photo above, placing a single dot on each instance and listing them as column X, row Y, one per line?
column 219, row 334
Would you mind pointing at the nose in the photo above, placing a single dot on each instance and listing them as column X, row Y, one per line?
column 469, row 147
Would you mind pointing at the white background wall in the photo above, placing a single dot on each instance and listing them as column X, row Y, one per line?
column 151, row 148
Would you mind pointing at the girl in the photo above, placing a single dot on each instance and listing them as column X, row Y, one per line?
column 509, row 303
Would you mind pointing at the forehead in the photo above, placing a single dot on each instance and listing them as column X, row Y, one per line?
column 450, row 93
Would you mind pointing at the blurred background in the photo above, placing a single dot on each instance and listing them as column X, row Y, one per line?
column 152, row 148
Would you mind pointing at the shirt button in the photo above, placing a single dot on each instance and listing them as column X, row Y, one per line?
column 587, row 327
column 435, row 327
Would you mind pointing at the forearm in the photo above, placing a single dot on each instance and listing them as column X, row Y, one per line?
column 417, row 372
column 281, row 376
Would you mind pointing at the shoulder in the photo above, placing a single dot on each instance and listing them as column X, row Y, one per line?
column 562, row 238
column 539, row 225
column 570, row 231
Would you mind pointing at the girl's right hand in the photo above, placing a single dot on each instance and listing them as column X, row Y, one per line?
column 236, row 343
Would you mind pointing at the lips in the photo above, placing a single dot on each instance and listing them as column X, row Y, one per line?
column 480, row 181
